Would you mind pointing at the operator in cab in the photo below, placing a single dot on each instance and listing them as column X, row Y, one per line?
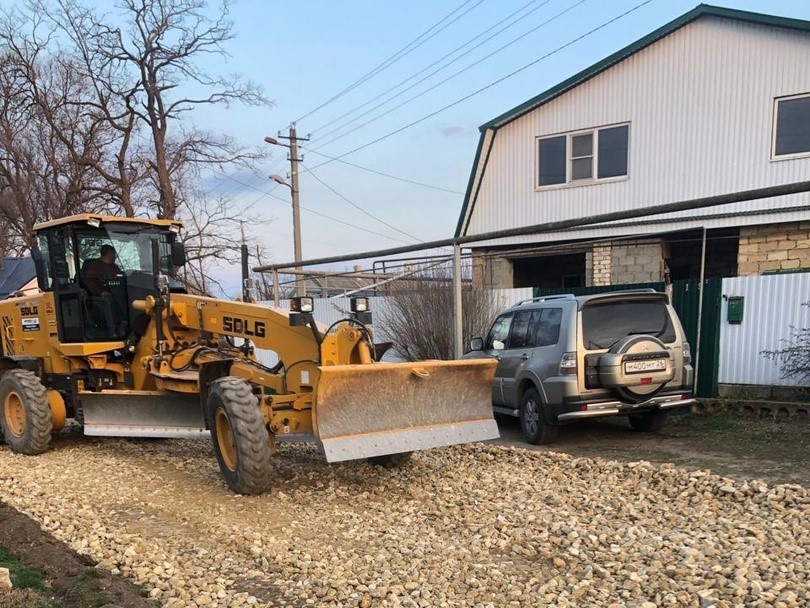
column 100, row 270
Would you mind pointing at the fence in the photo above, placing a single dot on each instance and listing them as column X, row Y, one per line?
column 772, row 305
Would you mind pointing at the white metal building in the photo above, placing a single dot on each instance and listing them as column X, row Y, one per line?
column 715, row 102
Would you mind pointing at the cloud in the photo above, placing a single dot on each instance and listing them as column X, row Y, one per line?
column 452, row 130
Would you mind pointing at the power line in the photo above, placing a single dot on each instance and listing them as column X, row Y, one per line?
column 329, row 217
column 488, row 86
column 436, row 71
column 404, row 51
column 470, row 41
column 441, row 82
column 361, row 209
column 396, row 177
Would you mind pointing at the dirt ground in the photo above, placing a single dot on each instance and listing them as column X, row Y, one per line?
column 49, row 574
column 728, row 445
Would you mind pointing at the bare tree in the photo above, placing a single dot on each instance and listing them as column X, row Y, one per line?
column 419, row 316
column 38, row 178
column 96, row 116
column 793, row 358
column 162, row 47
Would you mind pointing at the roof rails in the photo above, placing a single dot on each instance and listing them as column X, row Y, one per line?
column 638, row 290
column 562, row 296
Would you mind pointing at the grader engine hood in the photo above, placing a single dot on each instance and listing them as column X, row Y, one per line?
column 388, row 408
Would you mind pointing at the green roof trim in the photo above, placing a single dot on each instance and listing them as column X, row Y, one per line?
column 588, row 73
column 470, row 183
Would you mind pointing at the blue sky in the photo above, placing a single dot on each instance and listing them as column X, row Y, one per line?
column 303, row 53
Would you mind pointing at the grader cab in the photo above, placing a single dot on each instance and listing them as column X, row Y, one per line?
column 114, row 342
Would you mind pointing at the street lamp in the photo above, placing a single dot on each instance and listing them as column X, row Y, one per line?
column 300, row 283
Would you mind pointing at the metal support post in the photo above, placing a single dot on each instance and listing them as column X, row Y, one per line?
column 700, row 306
column 275, row 288
column 458, row 329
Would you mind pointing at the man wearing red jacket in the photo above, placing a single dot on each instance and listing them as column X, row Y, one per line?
column 97, row 272
column 95, row 276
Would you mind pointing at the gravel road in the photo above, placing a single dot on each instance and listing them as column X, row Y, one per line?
column 478, row 526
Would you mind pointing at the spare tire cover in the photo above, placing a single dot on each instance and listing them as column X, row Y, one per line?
column 655, row 361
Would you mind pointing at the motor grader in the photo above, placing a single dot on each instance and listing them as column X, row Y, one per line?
column 141, row 357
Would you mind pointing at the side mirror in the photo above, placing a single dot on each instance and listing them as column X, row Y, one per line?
column 477, row 344
column 178, row 254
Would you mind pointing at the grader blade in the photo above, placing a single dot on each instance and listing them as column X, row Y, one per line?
column 389, row 408
column 142, row 414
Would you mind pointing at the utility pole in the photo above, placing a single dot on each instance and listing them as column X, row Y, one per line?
column 300, row 283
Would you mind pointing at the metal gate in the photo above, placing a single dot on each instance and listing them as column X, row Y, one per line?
column 686, row 299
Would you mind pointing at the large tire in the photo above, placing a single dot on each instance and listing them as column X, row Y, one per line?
column 651, row 422
column 241, row 439
column 25, row 413
column 391, row 461
column 532, row 421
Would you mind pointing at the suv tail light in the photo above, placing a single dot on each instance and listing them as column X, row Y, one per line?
column 687, row 354
column 568, row 364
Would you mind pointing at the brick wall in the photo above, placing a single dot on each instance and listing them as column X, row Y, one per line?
column 774, row 247
column 601, row 264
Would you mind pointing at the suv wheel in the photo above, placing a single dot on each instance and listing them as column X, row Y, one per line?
column 651, row 422
column 532, row 422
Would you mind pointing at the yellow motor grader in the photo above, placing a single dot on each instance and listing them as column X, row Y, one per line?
column 129, row 353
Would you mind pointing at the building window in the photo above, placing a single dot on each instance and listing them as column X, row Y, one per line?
column 582, row 156
column 792, row 132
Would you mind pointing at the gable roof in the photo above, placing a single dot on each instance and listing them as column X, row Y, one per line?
column 14, row 274
column 702, row 10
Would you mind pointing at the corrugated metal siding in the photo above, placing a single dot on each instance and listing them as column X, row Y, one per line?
column 504, row 298
column 772, row 305
column 700, row 105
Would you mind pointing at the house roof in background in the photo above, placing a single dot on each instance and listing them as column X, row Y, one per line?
column 491, row 127
column 702, row 10
column 15, row 273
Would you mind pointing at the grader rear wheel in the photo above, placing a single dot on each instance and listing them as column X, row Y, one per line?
column 25, row 414
column 241, row 440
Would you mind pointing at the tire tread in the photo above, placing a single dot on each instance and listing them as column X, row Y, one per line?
column 38, row 423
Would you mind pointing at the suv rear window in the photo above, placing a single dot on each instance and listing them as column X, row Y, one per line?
column 605, row 324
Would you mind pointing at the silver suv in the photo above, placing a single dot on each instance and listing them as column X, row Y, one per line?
column 566, row 358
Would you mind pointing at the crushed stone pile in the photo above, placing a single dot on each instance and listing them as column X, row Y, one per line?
column 477, row 525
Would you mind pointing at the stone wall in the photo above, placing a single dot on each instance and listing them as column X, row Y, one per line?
column 491, row 272
column 774, row 247
column 634, row 262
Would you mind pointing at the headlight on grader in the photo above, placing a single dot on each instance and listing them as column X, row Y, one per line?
column 361, row 309
column 302, row 304
column 359, row 304
column 301, row 311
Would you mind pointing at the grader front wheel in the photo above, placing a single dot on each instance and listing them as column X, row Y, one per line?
column 25, row 414
column 241, row 440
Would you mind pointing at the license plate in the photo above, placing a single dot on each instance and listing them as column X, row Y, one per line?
column 651, row 365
